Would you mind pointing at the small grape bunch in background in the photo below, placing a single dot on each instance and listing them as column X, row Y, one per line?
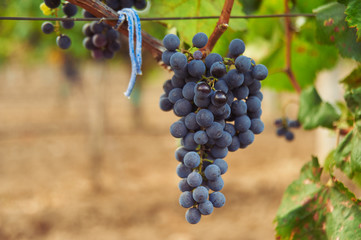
column 283, row 127
column 50, row 7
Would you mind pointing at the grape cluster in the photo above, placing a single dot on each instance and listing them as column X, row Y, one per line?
column 101, row 39
column 283, row 127
column 218, row 101
column 48, row 8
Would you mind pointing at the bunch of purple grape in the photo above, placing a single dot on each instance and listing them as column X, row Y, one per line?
column 70, row 10
column 218, row 101
column 283, row 127
column 101, row 39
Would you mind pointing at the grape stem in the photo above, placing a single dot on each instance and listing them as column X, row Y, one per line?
column 221, row 26
column 100, row 10
column 288, row 38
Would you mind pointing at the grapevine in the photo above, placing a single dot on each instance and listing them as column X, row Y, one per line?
column 216, row 92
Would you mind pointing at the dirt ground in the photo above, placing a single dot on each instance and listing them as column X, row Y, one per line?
column 75, row 165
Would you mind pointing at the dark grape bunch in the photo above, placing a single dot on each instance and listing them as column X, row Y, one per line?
column 69, row 10
column 283, row 127
column 218, row 101
column 101, row 39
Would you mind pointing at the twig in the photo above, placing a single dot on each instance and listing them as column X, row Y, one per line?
column 221, row 26
column 98, row 9
column 288, row 37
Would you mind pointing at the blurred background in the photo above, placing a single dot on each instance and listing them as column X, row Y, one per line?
column 78, row 160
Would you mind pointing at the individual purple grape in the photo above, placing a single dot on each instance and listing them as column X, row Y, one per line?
column 63, row 41
column 236, row 48
column 196, row 68
column 69, row 9
column 243, row 63
column 183, row 171
column 223, row 166
column 200, row 194
column 194, row 179
column 193, row 216
column 52, row 3
column 260, row 72
column 192, row 159
column 197, row 55
column 184, row 186
column 171, row 42
column 99, row 40
column 47, row 27
column 218, row 69
column 178, row 129
column 202, row 90
column 204, row 118
column 212, row 172
column 140, row 4
column 178, row 61
column 217, row 198
column 186, row 199
column 86, row 30
column 206, row 207
column 289, row 136
column 219, row 98
column 67, row 24
column 200, row 40
column 216, row 185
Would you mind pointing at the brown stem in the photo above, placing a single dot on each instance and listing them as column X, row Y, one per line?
column 221, row 26
column 98, row 9
column 288, row 37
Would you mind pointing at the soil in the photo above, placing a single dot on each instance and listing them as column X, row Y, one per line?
column 79, row 161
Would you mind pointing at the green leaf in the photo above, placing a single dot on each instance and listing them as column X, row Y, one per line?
column 306, row 6
column 343, row 1
column 343, row 218
column 353, row 100
column 314, row 112
column 354, row 79
column 353, row 18
column 306, row 54
column 301, row 190
column 300, row 216
column 342, row 153
column 329, row 162
column 333, row 29
column 312, row 210
column 188, row 28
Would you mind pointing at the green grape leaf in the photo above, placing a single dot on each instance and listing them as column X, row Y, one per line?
column 306, row 54
column 354, row 79
column 353, row 100
column 353, row 15
column 300, row 215
column 342, row 155
column 343, row 1
column 343, row 218
column 302, row 189
column 312, row 210
column 332, row 29
column 306, row 6
column 186, row 29
column 314, row 112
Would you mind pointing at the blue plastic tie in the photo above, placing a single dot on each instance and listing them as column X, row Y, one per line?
column 135, row 53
